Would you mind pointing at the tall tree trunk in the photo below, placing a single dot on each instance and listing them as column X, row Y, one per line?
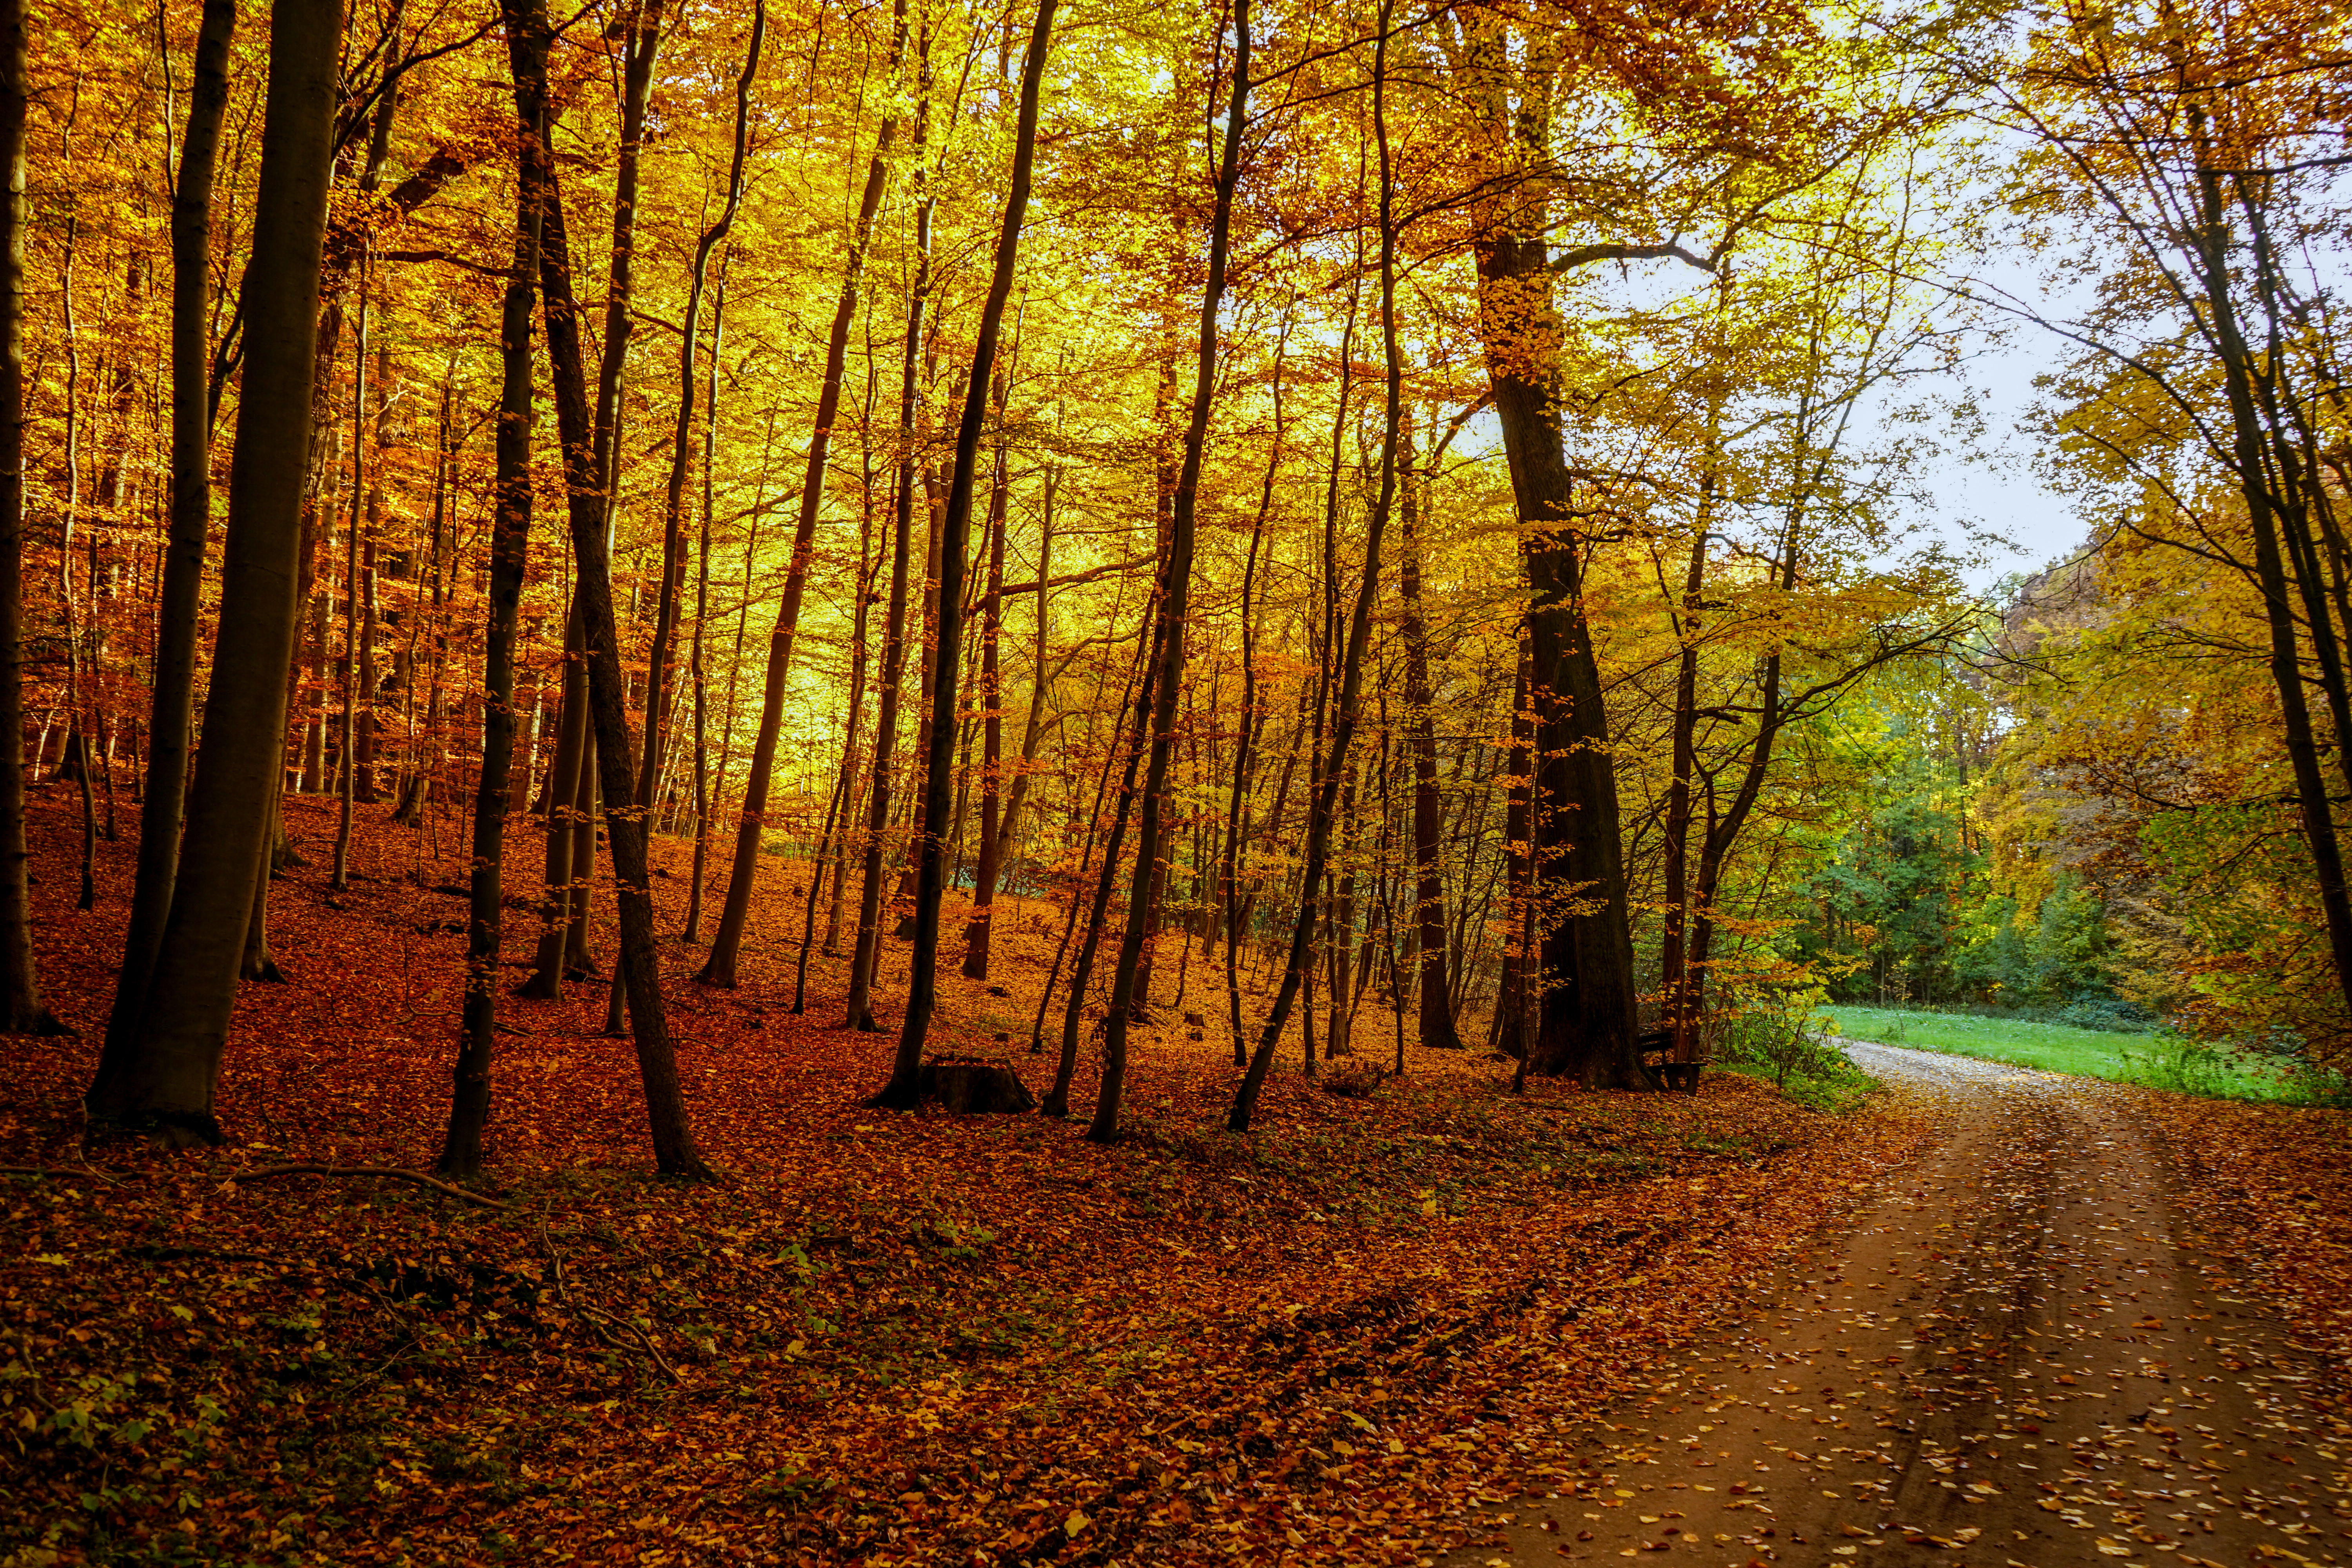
column 171, row 706
column 366, row 726
column 1175, row 600
column 1128, row 743
column 1351, row 670
column 931, row 828
column 1437, row 1030
column 25, row 1013
column 1582, row 983
column 1245, row 723
column 727, row 944
column 865, row 953
column 2269, row 572
column 166, row 1077
column 1033, row 731
column 703, row 803
column 469, row 1103
column 673, row 566
column 348, row 798
column 992, row 700
column 673, row 1137
column 935, row 511
column 866, row 957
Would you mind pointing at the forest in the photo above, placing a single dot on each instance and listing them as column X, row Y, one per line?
column 625, row 617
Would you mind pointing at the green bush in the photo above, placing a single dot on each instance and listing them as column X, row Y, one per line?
column 1808, row 1067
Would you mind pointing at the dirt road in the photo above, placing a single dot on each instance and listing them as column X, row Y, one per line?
column 2008, row 1359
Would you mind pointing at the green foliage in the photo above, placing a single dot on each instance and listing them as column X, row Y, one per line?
column 1773, row 1037
column 1906, row 905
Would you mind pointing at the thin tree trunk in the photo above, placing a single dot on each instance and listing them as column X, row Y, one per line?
column 673, row 567
column 1320, row 822
column 469, row 1103
column 866, row 957
column 673, row 1138
column 701, row 663
column 349, row 761
column 725, row 945
column 1246, row 723
column 1175, row 599
column 1437, row 1016
column 992, row 699
column 564, row 769
column 931, row 830
column 2286, row 670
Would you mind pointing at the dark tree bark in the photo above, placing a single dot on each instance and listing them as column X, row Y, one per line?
column 172, row 708
column 165, row 1080
column 728, row 942
column 1581, row 984
column 1436, row 1017
column 992, row 700
column 673, row 573
column 469, row 1103
column 1674, row 975
column 25, row 1012
column 904, row 1089
column 673, row 1137
column 2253, row 469
column 1174, row 603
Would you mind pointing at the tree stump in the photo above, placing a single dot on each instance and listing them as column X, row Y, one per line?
column 974, row 1086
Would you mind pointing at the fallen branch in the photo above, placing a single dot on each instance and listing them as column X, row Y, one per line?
column 597, row 1318
column 60, row 1173
column 392, row 1171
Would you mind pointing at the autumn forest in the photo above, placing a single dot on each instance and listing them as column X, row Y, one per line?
column 855, row 780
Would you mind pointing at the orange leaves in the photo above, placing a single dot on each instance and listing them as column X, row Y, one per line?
column 885, row 1338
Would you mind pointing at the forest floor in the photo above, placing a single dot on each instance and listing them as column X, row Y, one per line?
column 878, row 1338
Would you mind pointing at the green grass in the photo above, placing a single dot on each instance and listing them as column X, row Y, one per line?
column 2159, row 1060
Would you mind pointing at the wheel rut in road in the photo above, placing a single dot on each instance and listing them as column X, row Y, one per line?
column 2008, row 1357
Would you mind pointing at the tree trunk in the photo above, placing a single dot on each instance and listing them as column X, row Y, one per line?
column 469, row 1102
column 992, row 700
column 673, row 1138
column 931, row 829
column 866, row 957
column 166, row 1079
column 171, row 706
column 727, row 944
column 1175, row 598
column 703, row 802
column 565, row 771
column 1581, row 981
column 348, row 795
column 1297, row 970
column 1437, row 1016
column 2286, row 670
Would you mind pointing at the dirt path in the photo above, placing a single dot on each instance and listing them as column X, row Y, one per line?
column 2008, row 1359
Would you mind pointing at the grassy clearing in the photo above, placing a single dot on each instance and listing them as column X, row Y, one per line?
column 2159, row 1060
